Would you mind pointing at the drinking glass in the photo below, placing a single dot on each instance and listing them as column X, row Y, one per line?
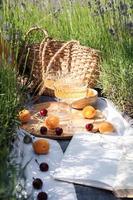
column 69, row 90
column 49, row 82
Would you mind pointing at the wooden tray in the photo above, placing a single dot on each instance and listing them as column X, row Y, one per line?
column 63, row 112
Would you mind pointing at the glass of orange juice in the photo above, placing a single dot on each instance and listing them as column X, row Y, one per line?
column 69, row 90
column 51, row 78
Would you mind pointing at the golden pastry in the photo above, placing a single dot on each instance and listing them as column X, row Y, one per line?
column 106, row 127
column 80, row 104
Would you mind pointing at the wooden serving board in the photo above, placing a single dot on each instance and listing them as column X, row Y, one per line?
column 63, row 112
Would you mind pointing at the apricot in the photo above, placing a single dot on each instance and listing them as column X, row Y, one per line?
column 52, row 122
column 24, row 116
column 89, row 112
column 41, row 146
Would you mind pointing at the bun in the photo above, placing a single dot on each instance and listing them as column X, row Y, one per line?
column 106, row 127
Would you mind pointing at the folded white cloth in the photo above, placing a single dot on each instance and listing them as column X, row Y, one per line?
column 95, row 160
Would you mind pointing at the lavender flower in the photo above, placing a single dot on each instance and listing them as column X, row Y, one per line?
column 71, row 2
column 10, row 59
column 102, row 10
column 131, row 34
column 23, row 6
column 129, row 25
column 89, row 4
column 110, row 3
column 7, row 37
column 97, row 2
column 1, row 17
column 95, row 13
column 17, row 35
column 7, row 26
column 112, row 31
column 123, row 8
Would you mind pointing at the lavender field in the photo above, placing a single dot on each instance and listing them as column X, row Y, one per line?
column 106, row 25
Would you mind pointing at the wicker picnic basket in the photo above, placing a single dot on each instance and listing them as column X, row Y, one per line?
column 51, row 56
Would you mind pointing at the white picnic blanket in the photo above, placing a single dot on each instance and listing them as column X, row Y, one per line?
column 55, row 189
column 95, row 159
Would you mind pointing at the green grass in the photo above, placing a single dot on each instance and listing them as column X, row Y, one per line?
column 9, row 106
column 8, row 101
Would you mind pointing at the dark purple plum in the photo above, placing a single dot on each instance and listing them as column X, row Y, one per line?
column 58, row 131
column 43, row 130
column 43, row 166
column 42, row 196
column 89, row 127
column 37, row 183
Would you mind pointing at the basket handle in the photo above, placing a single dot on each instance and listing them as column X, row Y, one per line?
column 58, row 52
column 36, row 29
column 42, row 49
column 45, row 72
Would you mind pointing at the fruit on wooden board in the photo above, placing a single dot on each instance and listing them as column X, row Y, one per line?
column 58, row 131
column 41, row 146
column 80, row 104
column 89, row 112
column 24, row 116
column 89, row 127
column 43, row 112
column 43, row 130
column 52, row 122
